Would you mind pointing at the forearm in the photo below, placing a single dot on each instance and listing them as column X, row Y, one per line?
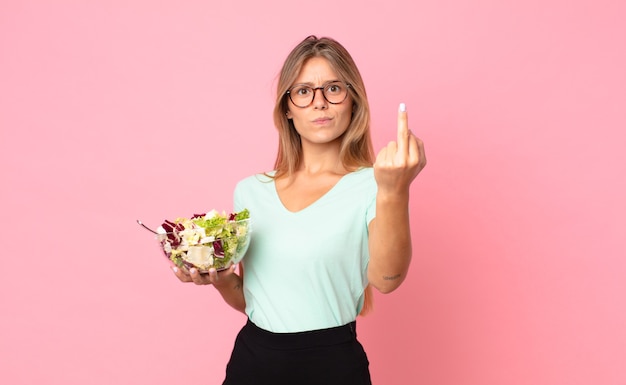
column 230, row 288
column 390, row 242
column 396, row 166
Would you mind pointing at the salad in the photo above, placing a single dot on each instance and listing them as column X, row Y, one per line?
column 204, row 241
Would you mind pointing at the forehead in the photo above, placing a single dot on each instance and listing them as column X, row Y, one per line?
column 316, row 70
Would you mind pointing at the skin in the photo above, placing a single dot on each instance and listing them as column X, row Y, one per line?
column 321, row 126
column 396, row 166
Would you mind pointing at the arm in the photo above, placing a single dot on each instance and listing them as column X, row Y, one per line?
column 389, row 243
column 227, row 283
column 395, row 168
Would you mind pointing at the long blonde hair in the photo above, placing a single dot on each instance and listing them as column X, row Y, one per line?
column 356, row 146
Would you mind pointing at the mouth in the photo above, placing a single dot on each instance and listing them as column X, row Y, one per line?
column 322, row 120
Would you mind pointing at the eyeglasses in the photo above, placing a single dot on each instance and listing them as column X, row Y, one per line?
column 334, row 92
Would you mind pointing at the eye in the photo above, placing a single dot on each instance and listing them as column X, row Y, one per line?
column 334, row 88
column 301, row 91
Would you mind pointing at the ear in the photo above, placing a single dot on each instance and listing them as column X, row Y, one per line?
column 288, row 113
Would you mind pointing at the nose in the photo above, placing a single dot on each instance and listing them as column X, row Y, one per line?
column 319, row 101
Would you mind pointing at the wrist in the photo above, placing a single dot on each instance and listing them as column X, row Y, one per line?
column 397, row 197
column 227, row 282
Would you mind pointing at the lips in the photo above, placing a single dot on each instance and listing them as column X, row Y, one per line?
column 322, row 120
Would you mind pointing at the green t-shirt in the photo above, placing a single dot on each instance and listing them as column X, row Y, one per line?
column 307, row 270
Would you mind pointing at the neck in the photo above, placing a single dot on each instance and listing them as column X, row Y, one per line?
column 321, row 159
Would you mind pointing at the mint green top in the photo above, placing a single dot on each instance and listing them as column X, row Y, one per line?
column 307, row 270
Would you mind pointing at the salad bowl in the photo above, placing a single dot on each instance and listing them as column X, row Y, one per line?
column 205, row 241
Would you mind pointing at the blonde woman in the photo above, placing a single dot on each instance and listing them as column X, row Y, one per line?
column 331, row 221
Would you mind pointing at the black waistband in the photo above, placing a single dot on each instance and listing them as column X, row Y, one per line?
column 321, row 337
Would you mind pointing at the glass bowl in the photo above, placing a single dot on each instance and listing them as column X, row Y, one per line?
column 192, row 247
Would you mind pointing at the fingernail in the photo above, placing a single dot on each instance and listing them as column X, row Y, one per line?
column 192, row 271
column 402, row 107
column 175, row 269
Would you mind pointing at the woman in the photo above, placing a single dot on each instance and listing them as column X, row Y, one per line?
column 329, row 223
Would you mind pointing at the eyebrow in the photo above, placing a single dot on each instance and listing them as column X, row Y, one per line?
column 310, row 84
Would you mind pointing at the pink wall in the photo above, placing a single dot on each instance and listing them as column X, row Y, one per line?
column 116, row 110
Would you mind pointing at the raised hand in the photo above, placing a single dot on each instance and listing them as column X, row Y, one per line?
column 390, row 245
column 398, row 163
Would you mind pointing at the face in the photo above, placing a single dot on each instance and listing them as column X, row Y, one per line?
column 321, row 122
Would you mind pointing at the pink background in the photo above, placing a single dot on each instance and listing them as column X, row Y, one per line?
column 112, row 111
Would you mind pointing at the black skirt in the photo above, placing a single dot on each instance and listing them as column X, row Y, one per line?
column 328, row 356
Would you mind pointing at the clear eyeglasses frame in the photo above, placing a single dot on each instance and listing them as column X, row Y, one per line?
column 302, row 95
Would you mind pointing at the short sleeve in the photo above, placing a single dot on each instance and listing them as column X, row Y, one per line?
column 371, row 210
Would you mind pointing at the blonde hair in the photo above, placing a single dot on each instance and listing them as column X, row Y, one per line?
column 356, row 146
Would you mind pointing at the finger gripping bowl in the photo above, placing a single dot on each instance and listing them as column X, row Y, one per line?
column 206, row 248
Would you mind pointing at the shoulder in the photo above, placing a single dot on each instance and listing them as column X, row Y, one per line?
column 360, row 184
column 362, row 176
column 364, row 172
column 254, row 181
